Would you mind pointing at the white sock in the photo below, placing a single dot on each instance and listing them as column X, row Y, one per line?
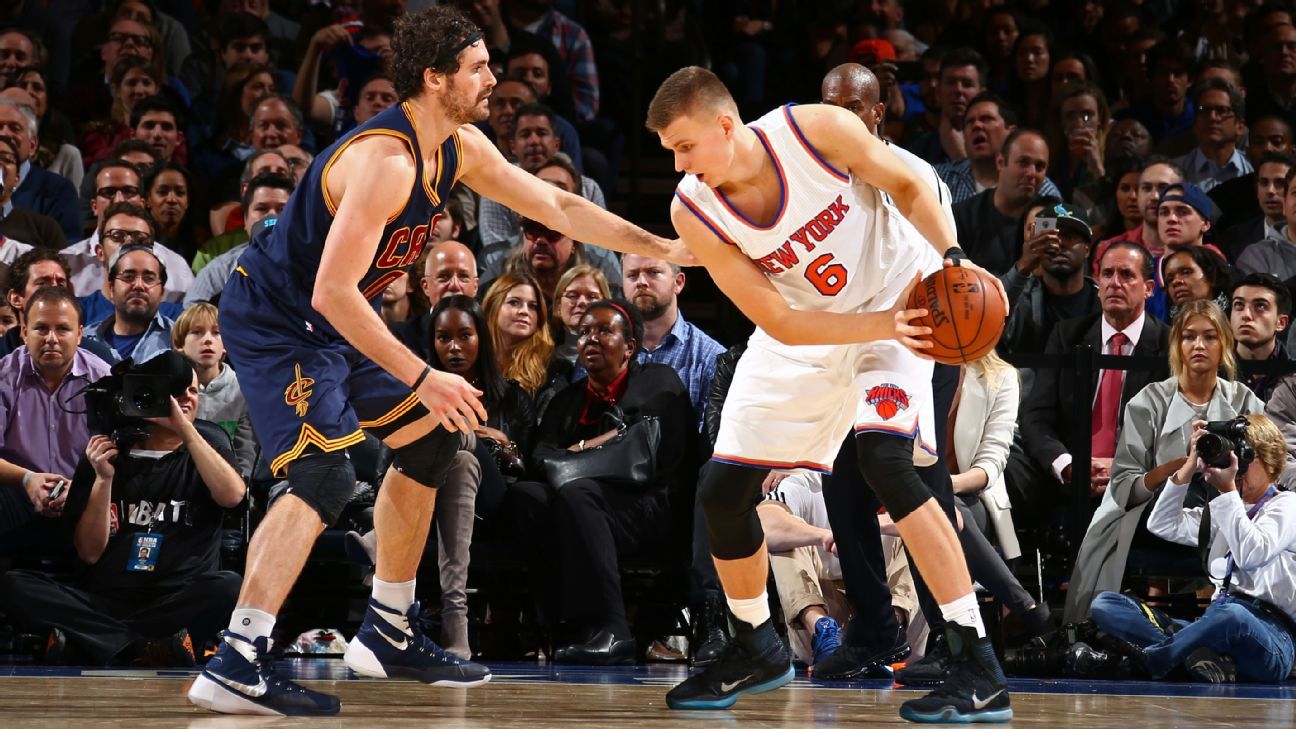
column 752, row 610
column 250, row 623
column 396, row 595
column 966, row 612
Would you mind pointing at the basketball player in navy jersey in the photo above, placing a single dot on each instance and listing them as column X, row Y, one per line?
column 318, row 368
column 817, row 232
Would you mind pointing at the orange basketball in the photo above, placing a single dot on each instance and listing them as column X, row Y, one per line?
column 964, row 311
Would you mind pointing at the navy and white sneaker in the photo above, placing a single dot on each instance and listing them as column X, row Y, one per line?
column 974, row 691
column 240, row 680
column 391, row 645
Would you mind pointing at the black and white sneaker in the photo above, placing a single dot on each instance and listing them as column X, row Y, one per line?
column 392, row 644
column 734, row 673
column 239, row 679
column 975, row 689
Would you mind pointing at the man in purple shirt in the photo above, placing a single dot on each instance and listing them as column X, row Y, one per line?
column 43, row 426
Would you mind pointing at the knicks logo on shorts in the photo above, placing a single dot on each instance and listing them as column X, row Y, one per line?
column 298, row 392
column 888, row 400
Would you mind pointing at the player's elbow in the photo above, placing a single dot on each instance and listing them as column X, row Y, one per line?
column 325, row 298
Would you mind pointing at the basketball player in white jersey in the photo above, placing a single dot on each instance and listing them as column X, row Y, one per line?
column 817, row 232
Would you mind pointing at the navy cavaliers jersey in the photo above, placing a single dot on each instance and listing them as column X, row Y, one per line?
column 286, row 258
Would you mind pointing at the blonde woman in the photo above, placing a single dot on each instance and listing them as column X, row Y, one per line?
column 579, row 287
column 517, row 315
column 196, row 335
column 1153, row 443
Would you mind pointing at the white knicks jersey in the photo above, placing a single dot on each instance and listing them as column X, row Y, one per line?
column 836, row 244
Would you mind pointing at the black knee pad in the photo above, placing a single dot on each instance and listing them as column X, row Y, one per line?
column 886, row 460
column 427, row 459
column 728, row 495
column 325, row 481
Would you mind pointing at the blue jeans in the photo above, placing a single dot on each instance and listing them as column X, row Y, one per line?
column 1260, row 644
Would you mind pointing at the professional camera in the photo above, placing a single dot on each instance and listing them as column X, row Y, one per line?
column 1222, row 437
column 119, row 401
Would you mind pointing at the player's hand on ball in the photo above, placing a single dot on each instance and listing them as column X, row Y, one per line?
column 909, row 334
column 967, row 263
column 452, row 401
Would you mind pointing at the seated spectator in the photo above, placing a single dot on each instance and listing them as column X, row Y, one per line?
column 1078, row 135
column 579, row 287
column 138, row 153
column 546, row 253
column 227, row 124
column 299, row 161
column 516, row 313
column 43, row 428
column 987, row 222
column 33, row 270
column 1167, row 110
column 169, row 196
column 398, row 303
column 39, row 190
column 265, row 197
column 447, row 268
column 228, row 218
column 238, row 40
column 1061, row 290
column 807, row 575
column 159, row 122
column 1039, row 476
column 1157, row 431
column 151, row 586
column 1195, row 273
column 987, row 123
column 134, row 79
column 136, row 330
column 1158, row 174
column 1217, row 127
column 510, row 94
column 8, row 318
column 57, row 150
column 1247, row 631
column 196, row 335
column 356, row 61
column 1112, row 200
column 536, row 61
column 16, row 221
column 1259, row 311
column 961, row 78
column 1269, row 195
column 1236, row 198
column 90, row 96
column 573, row 535
column 534, row 144
column 123, row 224
column 653, row 287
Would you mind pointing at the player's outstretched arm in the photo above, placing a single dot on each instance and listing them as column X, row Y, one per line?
column 755, row 296
column 370, row 181
column 486, row 171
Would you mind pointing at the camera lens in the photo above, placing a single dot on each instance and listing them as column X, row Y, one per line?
column 1214, row 450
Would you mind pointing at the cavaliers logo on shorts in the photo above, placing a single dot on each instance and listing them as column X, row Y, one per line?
column 888, row 400
column 297, row 394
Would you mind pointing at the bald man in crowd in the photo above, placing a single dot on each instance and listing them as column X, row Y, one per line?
column 450, row 268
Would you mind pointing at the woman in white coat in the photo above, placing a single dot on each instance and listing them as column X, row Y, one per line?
column 1153, row 444
column 981, row 424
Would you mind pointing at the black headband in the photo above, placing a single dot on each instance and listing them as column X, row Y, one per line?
column 442, row 58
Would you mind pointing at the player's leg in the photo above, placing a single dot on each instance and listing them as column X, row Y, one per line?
column 757, row 661
column 390, row 642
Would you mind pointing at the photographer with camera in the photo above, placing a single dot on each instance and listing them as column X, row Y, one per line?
column 145, row 510
column 1249, row 534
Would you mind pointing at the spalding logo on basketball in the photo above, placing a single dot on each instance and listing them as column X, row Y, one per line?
column 888, row 400
column 964, row 311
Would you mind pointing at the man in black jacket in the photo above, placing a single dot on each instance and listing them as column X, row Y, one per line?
column 1048, row 417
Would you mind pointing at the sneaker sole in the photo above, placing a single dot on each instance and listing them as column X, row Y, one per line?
column 363, row 661
column 211, row 695
column 953, row 716
column 732, row 699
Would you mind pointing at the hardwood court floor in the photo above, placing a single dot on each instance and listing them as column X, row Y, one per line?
column 539, row 697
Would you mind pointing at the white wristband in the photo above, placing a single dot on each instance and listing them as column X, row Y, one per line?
column 26, row 477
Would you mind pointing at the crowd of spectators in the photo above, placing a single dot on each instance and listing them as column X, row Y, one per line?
column 1125, row 168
